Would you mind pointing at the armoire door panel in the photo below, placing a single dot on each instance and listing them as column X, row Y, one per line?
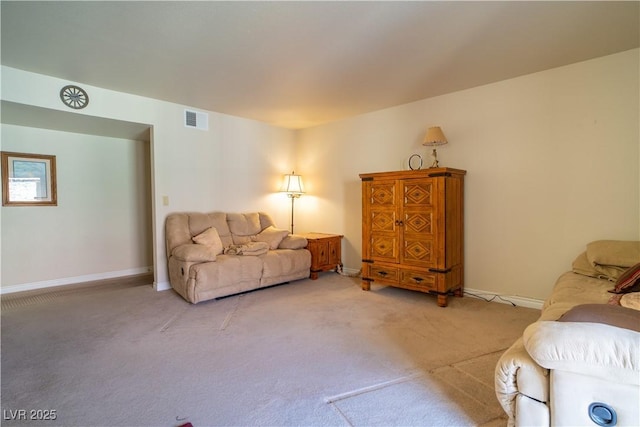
column 382, row 194
column 418, row 222
column 383, row 221
column 418, row 192
column 418, row 252
column 384, row 247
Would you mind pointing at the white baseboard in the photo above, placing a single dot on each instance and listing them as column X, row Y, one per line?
column 350, row 271
column 506, row 299
column 161, row 286
column 494, row 297
column 73, row 280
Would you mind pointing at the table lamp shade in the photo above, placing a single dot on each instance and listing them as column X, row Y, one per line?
column 434, row 136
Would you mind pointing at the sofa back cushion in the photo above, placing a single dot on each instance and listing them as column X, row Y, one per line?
column 243, row 226
column 199, row 222
column 181, row 227
column 233, row 228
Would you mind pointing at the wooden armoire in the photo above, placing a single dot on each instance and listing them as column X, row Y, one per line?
column 412, row 230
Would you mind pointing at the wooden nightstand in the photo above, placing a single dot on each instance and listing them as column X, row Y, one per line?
column 325, row 252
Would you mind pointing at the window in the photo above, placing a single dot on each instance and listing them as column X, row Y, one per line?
column 28, row 180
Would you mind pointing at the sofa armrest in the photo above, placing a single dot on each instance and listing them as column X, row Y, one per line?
column 293, row 241
column 516, row 375
column 191, row 252
column 593, row 349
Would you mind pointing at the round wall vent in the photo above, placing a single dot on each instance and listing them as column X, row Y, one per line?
column 74, row 97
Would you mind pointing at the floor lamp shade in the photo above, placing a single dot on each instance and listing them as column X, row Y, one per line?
column 292, row 185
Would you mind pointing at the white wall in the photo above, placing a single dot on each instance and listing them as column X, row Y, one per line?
column 102, row 223
column 551, row 160
column 236, row 165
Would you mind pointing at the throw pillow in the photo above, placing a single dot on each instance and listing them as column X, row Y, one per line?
column 613, row 315
column 209, row 237
column 618, row 253
column 273, row 236
column 629, row 281
column 581, row 265
column 631, row 300
column 293, row 241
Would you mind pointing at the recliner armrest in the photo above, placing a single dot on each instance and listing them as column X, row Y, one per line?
column 293, row 241
column 593, row 349
column 191, row 252
column 516, row 374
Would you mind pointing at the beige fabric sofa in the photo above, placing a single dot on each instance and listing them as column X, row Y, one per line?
column 211, row 255
column 560, row 367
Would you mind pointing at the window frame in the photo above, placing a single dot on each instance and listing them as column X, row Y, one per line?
column 49, row 162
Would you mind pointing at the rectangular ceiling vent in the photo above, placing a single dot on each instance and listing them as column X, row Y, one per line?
column 196, row 120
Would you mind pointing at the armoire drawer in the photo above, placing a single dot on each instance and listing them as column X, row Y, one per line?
column 418, row 279
column 384, row 273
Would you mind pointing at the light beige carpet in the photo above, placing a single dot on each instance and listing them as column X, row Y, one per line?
column 308, row 353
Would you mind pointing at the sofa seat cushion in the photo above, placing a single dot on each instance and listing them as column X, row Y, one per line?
column 573, row 289
column 282, row 262
column 228, row 270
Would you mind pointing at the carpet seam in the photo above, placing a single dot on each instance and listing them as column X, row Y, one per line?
column 374, row 387
column 173, row 318
column 227, row 319
column 467, row 360
column 342, row 414
column 461, row 390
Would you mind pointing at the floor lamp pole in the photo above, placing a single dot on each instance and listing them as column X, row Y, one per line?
column 293, row 198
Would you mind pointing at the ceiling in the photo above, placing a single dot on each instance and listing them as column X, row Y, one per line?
column 297, row 64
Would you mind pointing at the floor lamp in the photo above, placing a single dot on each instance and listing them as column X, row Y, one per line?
column 292, row 185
